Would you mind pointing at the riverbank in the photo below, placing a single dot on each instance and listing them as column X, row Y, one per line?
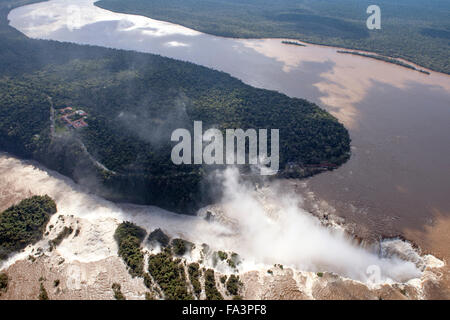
column 385, row 59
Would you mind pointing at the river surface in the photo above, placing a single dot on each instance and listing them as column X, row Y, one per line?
column 399, row 119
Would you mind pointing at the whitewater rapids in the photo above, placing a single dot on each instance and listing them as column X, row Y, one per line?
column 264, row 226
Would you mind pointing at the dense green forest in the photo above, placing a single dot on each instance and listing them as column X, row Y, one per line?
column 415, row 30
column 194, row 276
column 210, row 286
column 170, row 275
column 24, row 223
column 129, row 238
column 134, row 101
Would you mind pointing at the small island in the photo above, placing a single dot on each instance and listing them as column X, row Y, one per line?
column 295, row 43
column 385, row 59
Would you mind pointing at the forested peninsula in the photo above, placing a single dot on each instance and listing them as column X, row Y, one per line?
column 104, row 117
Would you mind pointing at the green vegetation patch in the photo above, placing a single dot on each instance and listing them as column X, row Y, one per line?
column 233, row 285
column 233, row 260
column 210, row 286
column 4, row 280
column 180, row 246
column 118, row 295
column 194, row 277
column 159, row 236
column 43, row 295
column 295, row 43
column 24, row 223
column 222, row 255
column 416, row 30
column 149, row 296
column 170, row 275
column 231, row 263
column 129, row 238
column 65, row 232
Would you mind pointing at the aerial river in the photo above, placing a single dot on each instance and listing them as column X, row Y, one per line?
column 398, row 177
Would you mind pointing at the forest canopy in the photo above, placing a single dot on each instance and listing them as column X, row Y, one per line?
column 24, row 223
column 129, row 238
